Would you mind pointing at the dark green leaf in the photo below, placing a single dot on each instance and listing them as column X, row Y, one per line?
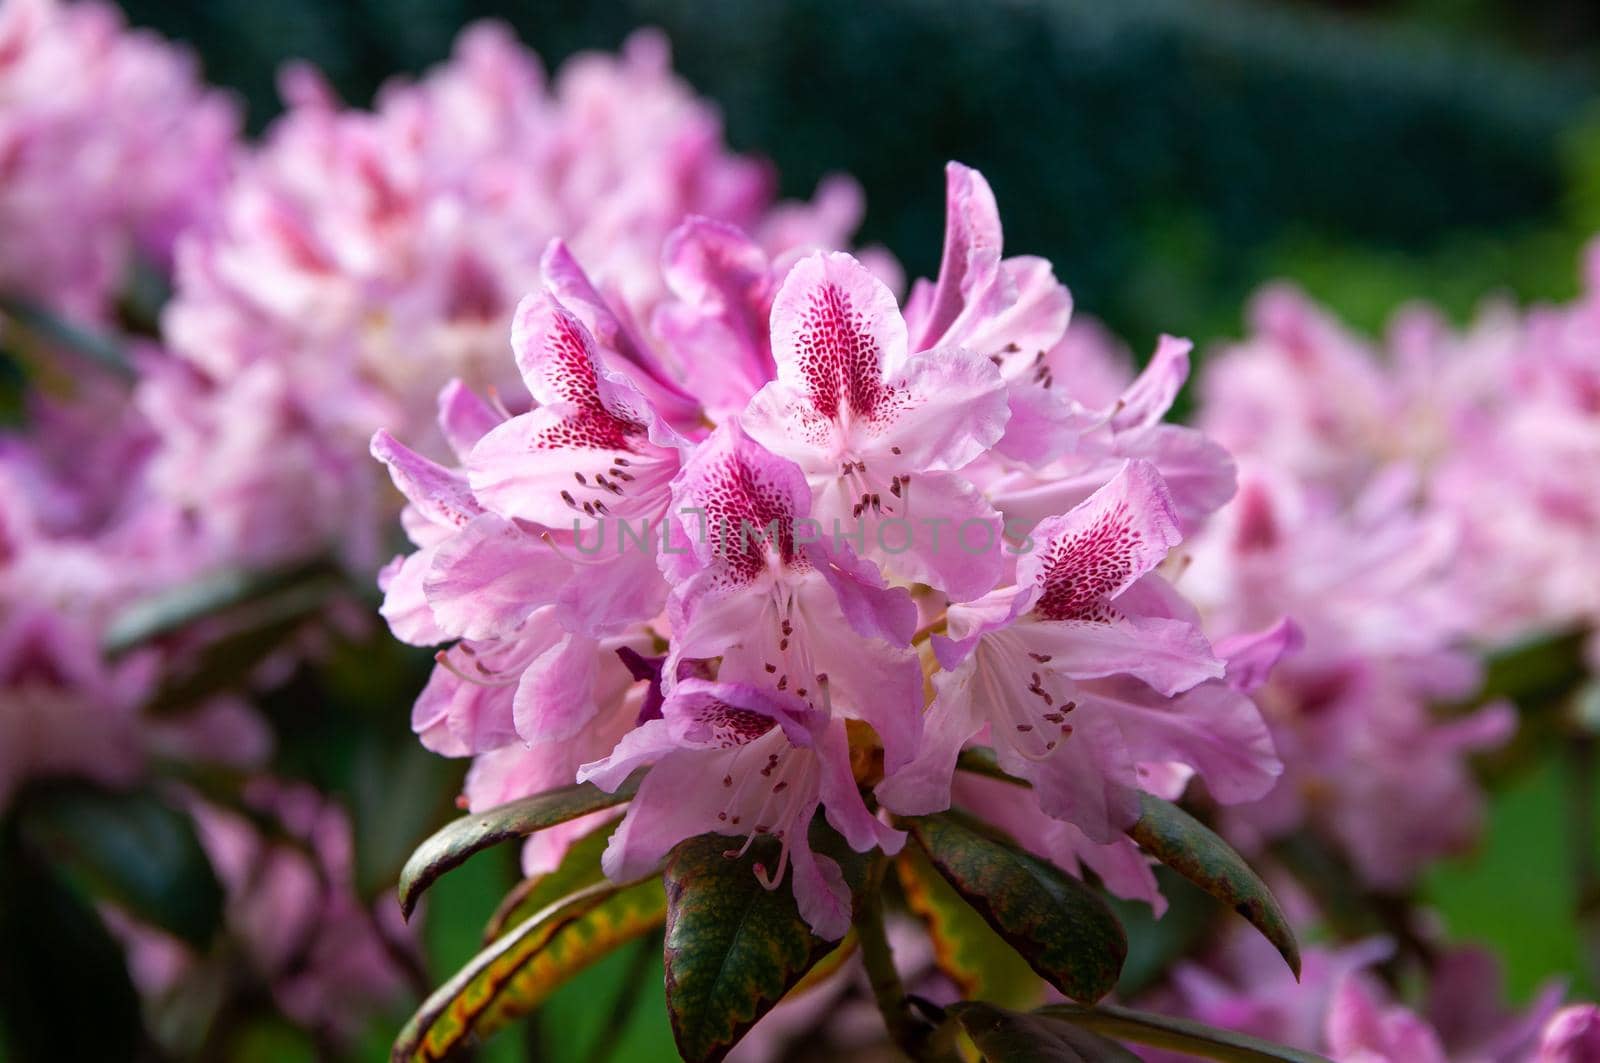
column 64, row 989
column 965, row 947
column 1178, row 1035
column 1180, row 841
column 523, row 967
column 452, row 845
column 1011, row 1037
column 132, row 849
column 1059, row 925
column 734, row 948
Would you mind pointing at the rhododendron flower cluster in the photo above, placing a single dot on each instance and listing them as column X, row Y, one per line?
column 632, row 580
column 362, row 259
column 110, row 147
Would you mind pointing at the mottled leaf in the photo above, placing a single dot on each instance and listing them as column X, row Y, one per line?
column 1012, row 1037
column 523, row 967
column 1059, row 925
column 1184, row 844
column 965, row 947
column 733, row 947
column 132, row 849
column 456, row 842
column 1177, row 1035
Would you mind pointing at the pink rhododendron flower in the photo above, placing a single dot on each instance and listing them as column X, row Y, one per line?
column 734, row 758
column 1076, row 673
column 109, row 148
column 879, row 433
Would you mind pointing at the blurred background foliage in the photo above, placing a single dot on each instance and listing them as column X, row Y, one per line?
column 1168, row 155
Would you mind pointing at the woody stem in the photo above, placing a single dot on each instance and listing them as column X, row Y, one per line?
column 878, row 958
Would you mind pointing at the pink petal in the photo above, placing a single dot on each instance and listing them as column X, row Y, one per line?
column 841, row 797
column 555, row 699
column 439, row 494
column 1152, row 393
column 969, row 268
column 922, row 786
column 1090, row 555
column 488, row 579
column 464, row 417
column 732, row 484
column 836, row 333
column 1212, row 728
column 942, row 411
column 1169, row 655
column 1251, row 656
column 820, row 891
column 944, row 534
column 405, row 607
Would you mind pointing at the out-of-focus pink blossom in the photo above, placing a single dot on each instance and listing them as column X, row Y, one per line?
column 1495, row 420
column 293, row 923
column 109, row 149
column 1340, row 1008
column 363, row 259
column 1371, row 588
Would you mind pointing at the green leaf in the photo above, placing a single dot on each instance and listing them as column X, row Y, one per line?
column 966, row 949
column 519, row 971
column 1184, row 844
column 579, row 869
column 1059, row 925
column 132, row 849
column 456, row 842
column 1179, row 1035
column 104, row 350
column 1011, row 1037
column 264, row 597
column 64, row 989
column 733, row 947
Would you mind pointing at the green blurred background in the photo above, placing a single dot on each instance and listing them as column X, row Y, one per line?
column 1168, row 155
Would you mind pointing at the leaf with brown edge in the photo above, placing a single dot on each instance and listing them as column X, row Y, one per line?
column 452, row 845
column 1005, row 1036
column 966, row 949
column 1178, row 1035
column 1059, row 925
column 733, row 947
column 519, row 971
column 1184, row 844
